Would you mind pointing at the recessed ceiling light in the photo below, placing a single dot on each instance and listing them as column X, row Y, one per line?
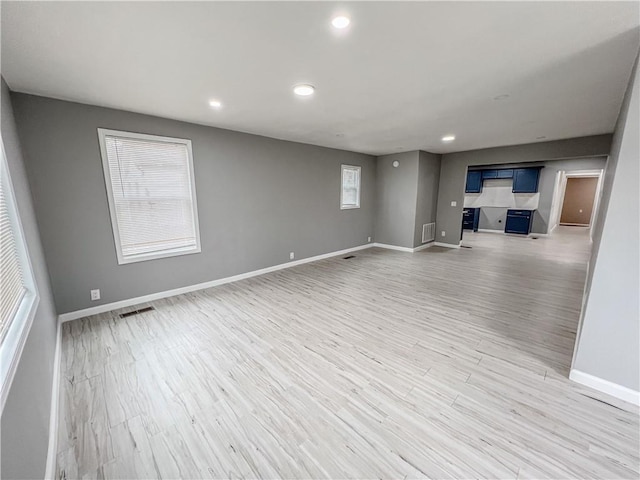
column 215, row 103
column 504, row 96
column 340, row 22
column 448, row 138
column 304, row 90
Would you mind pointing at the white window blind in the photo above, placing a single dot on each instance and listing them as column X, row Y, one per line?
column 18, row 290
column 350, row 193
column 151, row 193
column 12, row 287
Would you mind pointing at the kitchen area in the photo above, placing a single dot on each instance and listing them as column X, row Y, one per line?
column 501, row 200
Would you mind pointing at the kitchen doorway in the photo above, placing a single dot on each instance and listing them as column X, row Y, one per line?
column 579, row 197
column 575, row 203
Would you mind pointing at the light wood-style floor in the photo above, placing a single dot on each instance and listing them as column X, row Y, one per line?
column 443, row 364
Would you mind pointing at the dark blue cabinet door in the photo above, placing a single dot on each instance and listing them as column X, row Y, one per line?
column 505, row 173
column 489, row 174
column 474, row 181
column 525, row 180
column 517, row 225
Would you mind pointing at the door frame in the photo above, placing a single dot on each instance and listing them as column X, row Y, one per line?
column 560, row 190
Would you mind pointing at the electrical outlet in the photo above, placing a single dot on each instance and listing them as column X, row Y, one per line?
column 443, row 233
column 368, row 239
column 95, row 294
column 454, row 204
column 292, row 255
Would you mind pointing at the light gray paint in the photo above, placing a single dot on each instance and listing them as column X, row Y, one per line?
column 25, row 418
column 609, row 338
column 427, row 192
column 453, row 171
column 396, row 197
column 492, row 218
column 258, row 200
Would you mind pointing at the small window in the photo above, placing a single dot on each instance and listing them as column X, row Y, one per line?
column 152, row 197
column 18, row 293
column 350, row 193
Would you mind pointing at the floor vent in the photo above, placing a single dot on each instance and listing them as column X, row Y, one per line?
column 428, row 232
column 136, row 312
column 348, row 257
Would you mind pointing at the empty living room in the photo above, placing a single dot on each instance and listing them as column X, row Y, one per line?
column 364, row 240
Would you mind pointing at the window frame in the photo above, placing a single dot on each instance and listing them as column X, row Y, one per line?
column 17, row 333
column 357, row 168
column 141, row 257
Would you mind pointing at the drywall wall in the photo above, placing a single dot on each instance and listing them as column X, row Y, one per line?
column 427, row 192
column 258, row 199
column 453, row 174
column 396, row 197
column 578, row 200
column 608, row 342
column 25, row 417
column 492, row 218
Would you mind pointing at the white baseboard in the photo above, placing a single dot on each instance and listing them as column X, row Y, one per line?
column 393, row 247
column 422, row 247
column 50, row 471
column 107, row 307
column 488, row 230
column 446, row 245
column 605, row 386
column 403, row 249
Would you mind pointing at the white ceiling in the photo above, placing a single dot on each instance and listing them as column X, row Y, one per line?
column 401, row 77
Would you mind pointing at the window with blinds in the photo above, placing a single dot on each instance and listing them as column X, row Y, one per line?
column 350, row 193
column 18, row 292
column 151, row 191
column 12, row 287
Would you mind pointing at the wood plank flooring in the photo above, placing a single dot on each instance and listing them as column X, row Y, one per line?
column 442, row 364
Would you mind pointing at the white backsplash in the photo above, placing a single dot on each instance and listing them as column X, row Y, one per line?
column 497, row 193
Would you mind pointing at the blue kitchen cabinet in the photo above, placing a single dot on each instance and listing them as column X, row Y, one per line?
column 489, row 174
column 474, row 181
column 470, row 219
column 519, row 221
column 525, row 180
column 507, row 173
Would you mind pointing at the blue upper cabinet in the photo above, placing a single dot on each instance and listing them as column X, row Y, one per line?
column 474, row 181
column 505, row 173
column 525, row 180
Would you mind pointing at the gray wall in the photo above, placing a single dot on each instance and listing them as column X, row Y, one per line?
column 427, row 191
column 258, row 200
column 453, row 171
column 396, row 197
column 608, row 341
column 25, row 418
column 492, row 218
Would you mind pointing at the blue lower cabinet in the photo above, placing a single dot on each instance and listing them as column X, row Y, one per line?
column 519, row 221
column 470, row 218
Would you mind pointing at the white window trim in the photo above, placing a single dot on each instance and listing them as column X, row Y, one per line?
column 342, row 169
column 16, row 336
column 102, row 132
